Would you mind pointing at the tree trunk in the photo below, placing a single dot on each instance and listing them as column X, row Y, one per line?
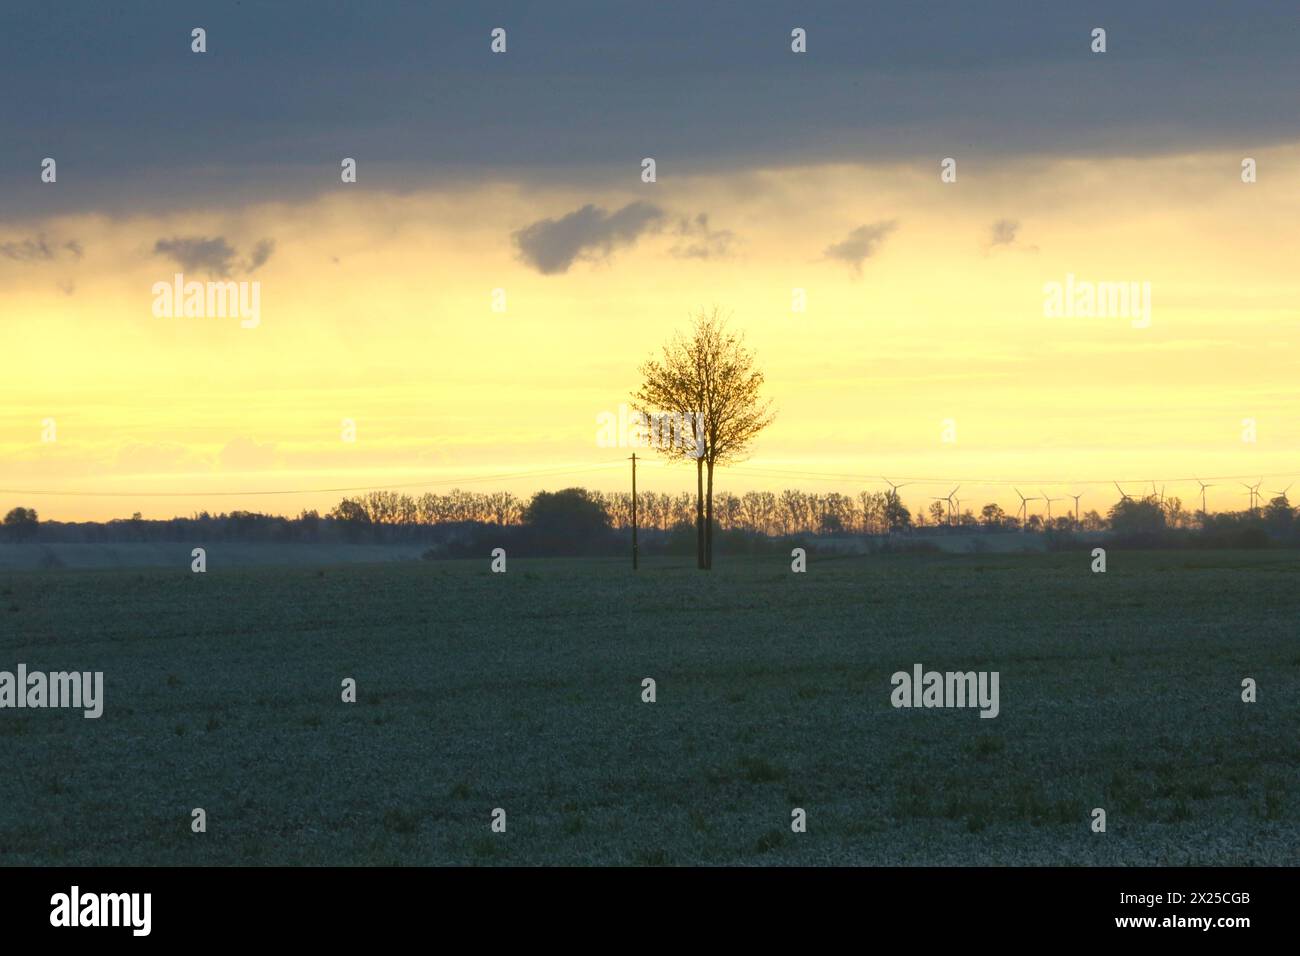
column 708, row 523
column 699, row 514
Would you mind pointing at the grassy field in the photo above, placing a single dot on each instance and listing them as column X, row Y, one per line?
column 523, row 691
column 172, row 554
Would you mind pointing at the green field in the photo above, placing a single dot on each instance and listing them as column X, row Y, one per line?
column 523, row 691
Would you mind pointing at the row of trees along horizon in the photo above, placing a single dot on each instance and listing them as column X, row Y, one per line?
column 708, row 371
column 576, row 520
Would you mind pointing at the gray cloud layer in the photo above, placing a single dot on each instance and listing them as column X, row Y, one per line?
column 589, row 88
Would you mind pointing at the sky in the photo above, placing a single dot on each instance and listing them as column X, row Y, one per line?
column 466, row 311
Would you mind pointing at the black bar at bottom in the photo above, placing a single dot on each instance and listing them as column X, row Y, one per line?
column 334, row 906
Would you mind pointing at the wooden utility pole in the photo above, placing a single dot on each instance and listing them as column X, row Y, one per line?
column 634, row 549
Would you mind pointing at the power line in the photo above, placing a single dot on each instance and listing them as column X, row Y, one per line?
column 757, row 472
column 1008, row 482
column 316, row 491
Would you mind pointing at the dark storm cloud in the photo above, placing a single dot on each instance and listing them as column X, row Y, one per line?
column 861, row 244
column 588, row 89
column 216, row 257
column 552, row 245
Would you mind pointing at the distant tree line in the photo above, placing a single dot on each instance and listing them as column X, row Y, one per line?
column 760, row 512
column 579, row 521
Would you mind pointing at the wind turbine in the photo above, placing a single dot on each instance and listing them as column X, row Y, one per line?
column 1203, row 487
column 1049, row 501
column 1160, row 494
column 1282, row 494
column 1124, row 496
column 1076, row 508
column 1024, row 509
column 893, row 491
column 947, row 498
column 1253, row 491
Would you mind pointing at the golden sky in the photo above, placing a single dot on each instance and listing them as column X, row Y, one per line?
column 377, row 307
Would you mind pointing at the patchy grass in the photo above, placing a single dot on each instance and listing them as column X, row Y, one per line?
column 522, row 691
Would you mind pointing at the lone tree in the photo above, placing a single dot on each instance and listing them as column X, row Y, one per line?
column 565, row 522
column 21, row 524
column 708, row 378
column 1140, row 518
